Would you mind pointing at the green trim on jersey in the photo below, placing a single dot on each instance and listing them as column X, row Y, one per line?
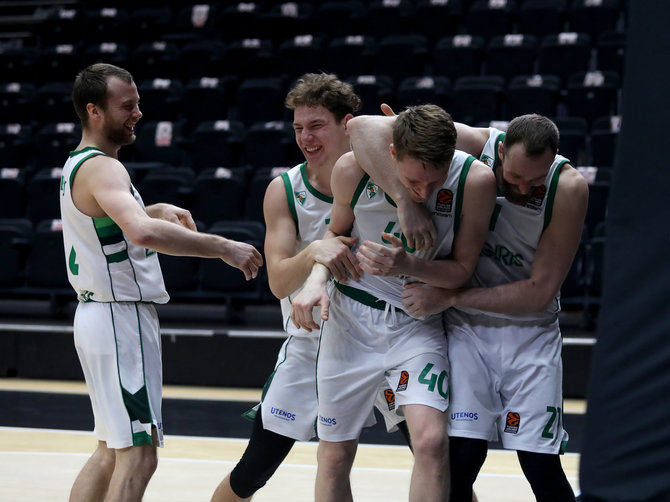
column 93, row 152
column 461, row 190
column 551, row 193
column 109, row 233
column 496, row 159
column 494, row 217
column 359, row 190
column 310, row 188
column 289, row 197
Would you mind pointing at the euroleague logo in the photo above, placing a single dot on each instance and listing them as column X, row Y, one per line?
column 402, row 383
column 538, row 197
column 512, row 422
column 390, row 399
column 444, row 201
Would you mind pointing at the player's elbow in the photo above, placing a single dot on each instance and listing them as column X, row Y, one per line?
column 141, row 235
column 278, row 287
column 541, row 299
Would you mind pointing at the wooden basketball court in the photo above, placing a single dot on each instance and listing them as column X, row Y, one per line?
column 41, row 464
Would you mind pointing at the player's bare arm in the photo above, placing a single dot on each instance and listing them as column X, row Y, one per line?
column 471, row 139
column 173, row 214
column 555, row 252
column 102, row 188
column 479, row 199
column 344, row 180
column 371, row 137
column 288, row 270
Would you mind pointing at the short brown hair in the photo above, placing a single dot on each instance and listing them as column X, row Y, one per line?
column 536, row 132
column 90, row 86
column 426, row 133
column 324, row 89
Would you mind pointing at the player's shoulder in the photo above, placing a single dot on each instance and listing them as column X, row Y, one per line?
column 481, row 174
column 571, row 179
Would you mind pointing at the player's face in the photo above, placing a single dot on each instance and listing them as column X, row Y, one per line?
column 122, row 112
column 321, row 139
column 520, row 175
column 419, row 179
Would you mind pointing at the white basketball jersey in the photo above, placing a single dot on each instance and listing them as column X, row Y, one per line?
column 514, row 232
column 102, row 264
column 375, row 213
column 311, row 214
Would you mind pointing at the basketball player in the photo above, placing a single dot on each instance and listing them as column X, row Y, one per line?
column 111, row 241
column 369, row 337
column 504, row 337
column 297, row 209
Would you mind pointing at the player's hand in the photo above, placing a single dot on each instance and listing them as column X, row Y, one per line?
column 243, row 256
column 173, row 214
column 421, row 299
column 335, row 253
column 311, row 295
column 416, row 225
column 378, row 259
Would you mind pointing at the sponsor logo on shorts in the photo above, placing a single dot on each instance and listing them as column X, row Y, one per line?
column 389, row 395
column 329, row 421
column 512, row 422
column 402, row 383
column 282, row 414
column 444, row 201
column 464, row 416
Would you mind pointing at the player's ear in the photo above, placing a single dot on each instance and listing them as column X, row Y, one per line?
column 392, row 149
column 93, row 111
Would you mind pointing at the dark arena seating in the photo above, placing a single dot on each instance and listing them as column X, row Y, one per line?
column 212, row 79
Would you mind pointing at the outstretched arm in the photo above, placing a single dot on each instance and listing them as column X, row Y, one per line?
column 102, row 188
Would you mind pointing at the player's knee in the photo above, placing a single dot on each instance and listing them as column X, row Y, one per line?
column 264, row 454
column 545, row 474
column 147, row 462
column 336, row 458
column 105, row 459
column 430, row 439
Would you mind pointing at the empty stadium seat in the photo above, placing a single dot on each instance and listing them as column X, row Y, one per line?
column 477, row 99
column 592, row 94
column 458, row 56
column 269, row 144
column 563, row 54
column 216, row 144
column 533, row 94
column 511, row 55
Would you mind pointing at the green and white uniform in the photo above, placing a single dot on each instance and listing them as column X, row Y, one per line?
column 289, row 403
column 506, row 368
column 369, row 339
column 116, row 329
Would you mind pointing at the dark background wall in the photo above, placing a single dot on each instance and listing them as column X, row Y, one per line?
column 626, row 449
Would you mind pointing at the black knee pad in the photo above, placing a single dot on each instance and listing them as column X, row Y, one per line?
column 466, row 458
column 264, row 454
column 545, row 474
